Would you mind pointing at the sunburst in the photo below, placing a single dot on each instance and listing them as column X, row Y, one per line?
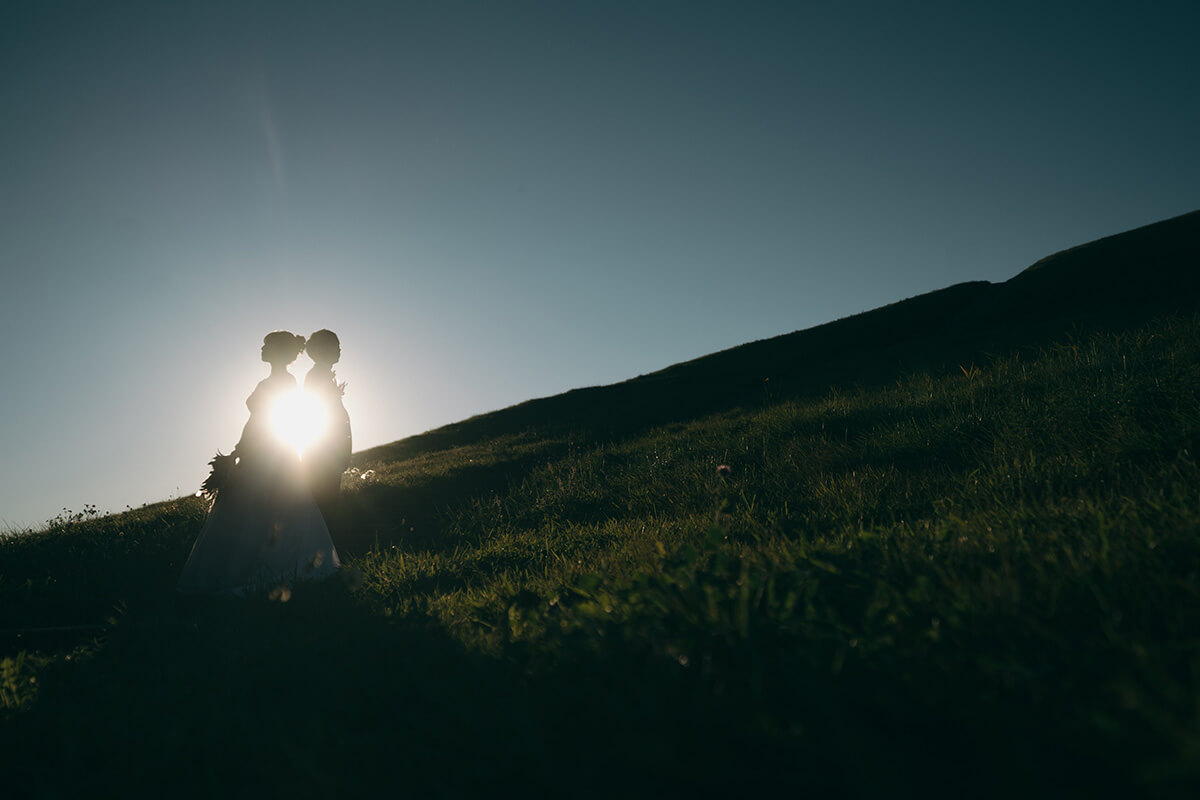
column 298, row 419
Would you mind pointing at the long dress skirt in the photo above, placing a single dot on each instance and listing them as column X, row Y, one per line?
column 264, row 531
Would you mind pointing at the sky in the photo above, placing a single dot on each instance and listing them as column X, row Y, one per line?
column 491, row 202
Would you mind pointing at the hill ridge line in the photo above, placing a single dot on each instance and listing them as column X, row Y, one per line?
column 1111, row 283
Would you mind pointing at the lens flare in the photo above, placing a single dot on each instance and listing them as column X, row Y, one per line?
column 298, row 419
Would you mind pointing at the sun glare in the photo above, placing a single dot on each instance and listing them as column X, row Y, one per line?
column 298, row 419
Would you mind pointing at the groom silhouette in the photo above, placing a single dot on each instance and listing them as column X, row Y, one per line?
column 327, row 458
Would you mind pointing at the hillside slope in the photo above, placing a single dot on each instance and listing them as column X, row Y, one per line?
column 981, row 583
column 1106, row 285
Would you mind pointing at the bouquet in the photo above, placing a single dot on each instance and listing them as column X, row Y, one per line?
column 222, row 466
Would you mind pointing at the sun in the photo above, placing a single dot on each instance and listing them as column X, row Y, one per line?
column 298, row 419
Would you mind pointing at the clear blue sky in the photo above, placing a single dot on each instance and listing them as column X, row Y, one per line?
column 496, row 201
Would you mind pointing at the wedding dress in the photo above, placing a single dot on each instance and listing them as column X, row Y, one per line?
column 264, row 529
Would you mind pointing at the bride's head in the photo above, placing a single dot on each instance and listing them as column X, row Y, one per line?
column 323, row 347
column 281, row 347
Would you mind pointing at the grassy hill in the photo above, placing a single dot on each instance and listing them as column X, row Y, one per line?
column 903, row 566
column 1107, row 285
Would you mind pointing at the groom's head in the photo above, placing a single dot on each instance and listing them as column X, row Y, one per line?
column 323, row 347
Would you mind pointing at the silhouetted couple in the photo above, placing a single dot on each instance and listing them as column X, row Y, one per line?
column 267, row 524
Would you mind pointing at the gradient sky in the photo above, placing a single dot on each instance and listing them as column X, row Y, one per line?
column 492, row 201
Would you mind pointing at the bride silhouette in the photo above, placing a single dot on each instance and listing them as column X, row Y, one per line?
column 264, row 529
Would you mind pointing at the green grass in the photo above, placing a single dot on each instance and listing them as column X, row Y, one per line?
column 979, row 584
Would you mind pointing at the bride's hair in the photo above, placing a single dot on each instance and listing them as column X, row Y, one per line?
column 324, row 347
column 285, row 344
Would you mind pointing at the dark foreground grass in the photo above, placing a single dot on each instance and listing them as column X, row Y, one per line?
column 977, row 585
